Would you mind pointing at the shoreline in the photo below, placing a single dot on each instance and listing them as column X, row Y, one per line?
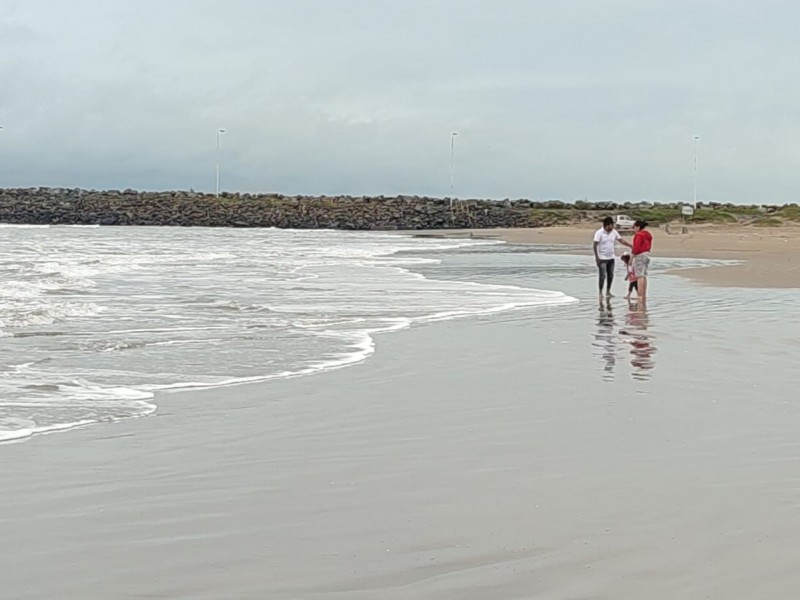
column 770, row 258
column 409, row 476
column 359, row 486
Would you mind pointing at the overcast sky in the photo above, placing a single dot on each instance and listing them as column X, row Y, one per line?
column 551, row 98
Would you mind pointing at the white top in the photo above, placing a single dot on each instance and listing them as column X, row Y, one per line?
column 606, row 243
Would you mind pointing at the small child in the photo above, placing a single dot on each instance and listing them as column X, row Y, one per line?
column 630, row 277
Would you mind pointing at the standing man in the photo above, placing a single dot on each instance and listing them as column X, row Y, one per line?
column 605, row 252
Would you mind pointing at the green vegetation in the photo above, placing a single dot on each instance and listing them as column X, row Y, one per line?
column 657, row 215
column 708, row 215
column 790, row 212
column 740, row 211
column 767, row 222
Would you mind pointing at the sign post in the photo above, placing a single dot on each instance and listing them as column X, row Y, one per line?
column 687, row 211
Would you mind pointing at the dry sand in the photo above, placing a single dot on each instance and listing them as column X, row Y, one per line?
column 771, row 257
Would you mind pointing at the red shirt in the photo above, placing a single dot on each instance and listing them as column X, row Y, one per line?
column 642, row 242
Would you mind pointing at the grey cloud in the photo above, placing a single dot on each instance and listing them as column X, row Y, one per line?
column 551, row 99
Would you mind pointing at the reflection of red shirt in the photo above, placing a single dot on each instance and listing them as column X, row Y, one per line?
column 642, row 242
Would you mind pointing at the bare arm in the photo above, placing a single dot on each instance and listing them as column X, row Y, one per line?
column 625, row 243
column 596, row 256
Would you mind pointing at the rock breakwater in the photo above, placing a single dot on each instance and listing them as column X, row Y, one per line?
column 180, row 208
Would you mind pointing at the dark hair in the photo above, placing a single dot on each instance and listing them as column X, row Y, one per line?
column 626, row 257
column 608, row 221
column 640, row 224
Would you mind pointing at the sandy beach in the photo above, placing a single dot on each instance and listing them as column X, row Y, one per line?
column 298, row 301
column 558, row 452
column 451, row 466
column 770, row 256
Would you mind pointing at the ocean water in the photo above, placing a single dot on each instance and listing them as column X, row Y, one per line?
column 729, row 340
column 95, row 320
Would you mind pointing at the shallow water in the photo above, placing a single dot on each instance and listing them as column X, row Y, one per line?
column 96, row 319
column 728, row 331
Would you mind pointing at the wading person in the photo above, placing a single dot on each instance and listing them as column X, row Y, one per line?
column 605, row 240
column 642, row 243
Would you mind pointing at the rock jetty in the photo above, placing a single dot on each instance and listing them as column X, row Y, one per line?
column 180, row 208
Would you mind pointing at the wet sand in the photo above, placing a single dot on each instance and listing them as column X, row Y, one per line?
column 770, row 256
column 561, row 453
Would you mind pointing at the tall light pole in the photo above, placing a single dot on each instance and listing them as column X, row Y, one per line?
column 219, row 133
column 452, row 164
column 695, row 139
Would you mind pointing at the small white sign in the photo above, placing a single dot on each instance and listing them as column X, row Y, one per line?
column 687, row 210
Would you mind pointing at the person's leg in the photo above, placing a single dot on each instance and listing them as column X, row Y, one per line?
column 609, row 276
column 601, row 276
column 642, row 269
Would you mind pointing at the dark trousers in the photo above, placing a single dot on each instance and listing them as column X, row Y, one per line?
column 605, row 271
column 633, row 285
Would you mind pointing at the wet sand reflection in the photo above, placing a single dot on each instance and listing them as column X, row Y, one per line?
column 640, row 339
column 610, row 341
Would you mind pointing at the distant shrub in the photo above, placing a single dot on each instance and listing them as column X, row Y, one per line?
column 705, row 215
column 768, row 222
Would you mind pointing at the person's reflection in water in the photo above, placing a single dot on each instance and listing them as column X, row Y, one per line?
column 605, row 340
column 641, row 341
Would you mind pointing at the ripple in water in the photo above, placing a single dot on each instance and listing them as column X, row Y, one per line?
column 96, row 320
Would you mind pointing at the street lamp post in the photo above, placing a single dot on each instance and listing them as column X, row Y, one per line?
column 452, row 165
column 695, row 140
column 219, row 132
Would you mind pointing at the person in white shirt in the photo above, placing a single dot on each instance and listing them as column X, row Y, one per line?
column 605, row 240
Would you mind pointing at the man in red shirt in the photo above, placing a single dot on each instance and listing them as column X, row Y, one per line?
column 642, row 243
